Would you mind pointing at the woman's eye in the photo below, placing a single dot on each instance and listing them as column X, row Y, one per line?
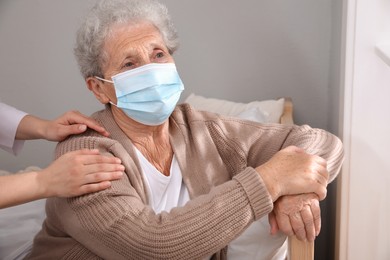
column 160, row 55
column 128, row 64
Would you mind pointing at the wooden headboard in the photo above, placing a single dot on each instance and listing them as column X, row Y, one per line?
column 287, row 115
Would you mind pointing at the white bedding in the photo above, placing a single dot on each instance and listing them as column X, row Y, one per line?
column 19, row 225
column 265, row 111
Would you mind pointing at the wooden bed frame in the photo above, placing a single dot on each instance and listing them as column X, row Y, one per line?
column 287, row 115
column 297, row 250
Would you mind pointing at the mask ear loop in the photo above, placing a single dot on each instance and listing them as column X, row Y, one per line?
column 108, row 81
column 105, row 80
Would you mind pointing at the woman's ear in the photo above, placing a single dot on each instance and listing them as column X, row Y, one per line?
column 97, row 87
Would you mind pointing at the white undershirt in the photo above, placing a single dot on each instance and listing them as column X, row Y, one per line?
column 167, row 192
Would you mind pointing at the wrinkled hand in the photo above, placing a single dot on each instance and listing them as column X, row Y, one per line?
column 79, row 172
column 298, row 215
column 72, row 122
column 292, row 171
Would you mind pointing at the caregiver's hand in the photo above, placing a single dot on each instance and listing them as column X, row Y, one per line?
column 298, row 215
column 72, row 122
column 79, row 172
column 292, row 171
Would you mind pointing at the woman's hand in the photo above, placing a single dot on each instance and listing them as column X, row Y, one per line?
column 292, row 171
column 72, row 122
column 298, row 215
column 79, row 172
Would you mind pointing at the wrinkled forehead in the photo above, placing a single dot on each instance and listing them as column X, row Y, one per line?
column 135, row 40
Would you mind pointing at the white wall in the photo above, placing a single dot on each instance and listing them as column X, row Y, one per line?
column 365, row 183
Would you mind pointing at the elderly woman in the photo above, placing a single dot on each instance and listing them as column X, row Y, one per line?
column 195, row 182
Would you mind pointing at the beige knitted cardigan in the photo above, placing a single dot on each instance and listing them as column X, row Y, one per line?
column 217, row 156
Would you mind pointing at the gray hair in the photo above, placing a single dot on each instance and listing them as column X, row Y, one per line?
column 106, row 13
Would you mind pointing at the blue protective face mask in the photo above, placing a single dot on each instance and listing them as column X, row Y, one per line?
column 148, row 94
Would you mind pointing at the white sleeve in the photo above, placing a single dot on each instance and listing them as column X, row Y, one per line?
column 10, row 118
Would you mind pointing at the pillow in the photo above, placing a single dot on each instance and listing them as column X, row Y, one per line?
column 19, row 225
column 254, row 114
column 267, row 111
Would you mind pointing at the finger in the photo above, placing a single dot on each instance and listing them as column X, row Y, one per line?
column 95, row 126
column 284, row 224
column 74, row 129
column 323, row 173
column 273, row 223
column 89, row 156
column 316, row 212
column 75, row 117
column 97, row 177
column 321, row 161
column 321, row 192
column 320, row 184
column 293, row 148
column 97, row 172
column 298, row 226
column 308, row 221
column 93, row 187
column 97, row 159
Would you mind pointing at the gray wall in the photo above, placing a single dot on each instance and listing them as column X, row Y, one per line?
column 237, row 50
column 37, row 70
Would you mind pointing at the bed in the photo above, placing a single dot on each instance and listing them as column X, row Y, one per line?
column 19, row 224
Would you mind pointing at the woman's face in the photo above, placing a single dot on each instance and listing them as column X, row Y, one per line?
column 130, row 46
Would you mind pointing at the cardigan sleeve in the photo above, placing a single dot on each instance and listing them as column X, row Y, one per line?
column 318, row 142
column 117, row 223
column 254, row 143
column 263, row 141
